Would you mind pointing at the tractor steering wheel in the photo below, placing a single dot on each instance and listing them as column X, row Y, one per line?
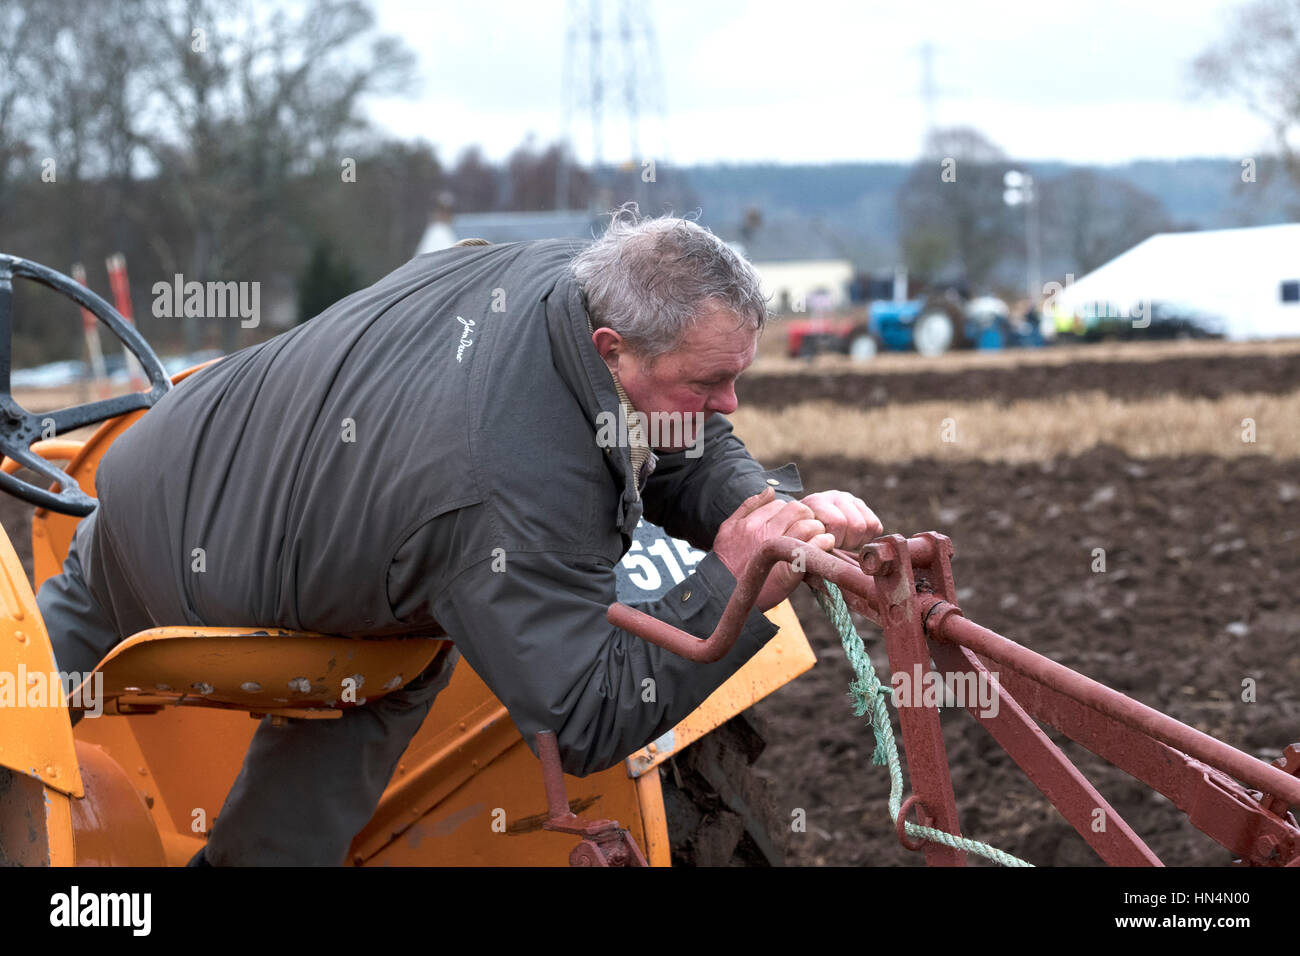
column 19, row 428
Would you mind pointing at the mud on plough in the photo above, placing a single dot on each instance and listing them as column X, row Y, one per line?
column 905, row 586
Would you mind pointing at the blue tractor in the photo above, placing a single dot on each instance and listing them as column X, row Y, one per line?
column 932, row 326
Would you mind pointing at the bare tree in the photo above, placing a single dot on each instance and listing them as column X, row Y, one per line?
column 24, row 31
column 1258, row 61
column 244, row 96
column 531, row 175
column 375, row 224
column 1089, row 218
column 81, row 110
column 475, row 183
column 221, row 139
column 951, row 208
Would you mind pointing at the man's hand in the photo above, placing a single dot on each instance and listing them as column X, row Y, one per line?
column 846, row 517
column 763, row 516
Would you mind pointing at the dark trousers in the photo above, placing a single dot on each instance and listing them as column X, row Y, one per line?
column 307, row 787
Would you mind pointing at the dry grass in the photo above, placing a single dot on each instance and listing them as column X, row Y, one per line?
column 1026, row 430
column 772, row 355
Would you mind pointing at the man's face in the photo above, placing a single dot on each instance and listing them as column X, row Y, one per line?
column 699, row 376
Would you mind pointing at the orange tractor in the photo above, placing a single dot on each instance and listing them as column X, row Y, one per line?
column 141, row 785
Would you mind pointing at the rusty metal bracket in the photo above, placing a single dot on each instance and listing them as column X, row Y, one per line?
column 1289, row 762
column 604, row 842
column 900, row 825
column 890, row 561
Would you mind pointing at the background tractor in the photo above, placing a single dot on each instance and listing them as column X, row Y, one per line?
column 929, row 325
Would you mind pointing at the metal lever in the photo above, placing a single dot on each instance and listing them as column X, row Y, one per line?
column 604, row 842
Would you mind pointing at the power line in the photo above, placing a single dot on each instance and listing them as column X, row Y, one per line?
column 611, row 69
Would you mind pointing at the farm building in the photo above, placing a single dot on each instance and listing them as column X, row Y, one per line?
column 798, row 263
column 791, row 282
column 1250, row 278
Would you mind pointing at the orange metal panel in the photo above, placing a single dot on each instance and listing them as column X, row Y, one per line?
column 654, row 819
column 37, row 735
column 468, row 762
column 780, row 661
column 184, row 785
column 495, row 818
column 430, row 773
column 58, row 828
column 262, row 670
column 111, row 824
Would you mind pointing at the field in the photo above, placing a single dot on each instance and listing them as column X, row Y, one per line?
column 1180, row 461
column 1138, row 451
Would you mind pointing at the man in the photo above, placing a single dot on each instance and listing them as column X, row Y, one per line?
column 430, row 455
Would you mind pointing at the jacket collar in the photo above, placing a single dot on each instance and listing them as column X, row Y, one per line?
column 589, row 379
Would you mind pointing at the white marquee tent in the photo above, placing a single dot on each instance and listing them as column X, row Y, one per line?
column 1248, row 277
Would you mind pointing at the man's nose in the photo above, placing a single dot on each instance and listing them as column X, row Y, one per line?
column 724, row 400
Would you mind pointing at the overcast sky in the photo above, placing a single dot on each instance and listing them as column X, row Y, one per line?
column 1104, row 81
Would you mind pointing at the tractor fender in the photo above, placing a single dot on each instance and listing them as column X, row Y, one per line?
column 112, row 825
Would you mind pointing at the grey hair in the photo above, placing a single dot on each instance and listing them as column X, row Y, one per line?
column 649, row 279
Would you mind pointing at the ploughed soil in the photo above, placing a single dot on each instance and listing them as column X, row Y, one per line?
column 1200, row 376
column 1199, row 593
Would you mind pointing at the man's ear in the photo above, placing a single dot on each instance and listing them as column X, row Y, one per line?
column 609, row 344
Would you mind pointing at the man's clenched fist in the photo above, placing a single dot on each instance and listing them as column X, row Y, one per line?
column 761, row 517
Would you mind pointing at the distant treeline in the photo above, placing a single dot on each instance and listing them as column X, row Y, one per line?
column 225, row 141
